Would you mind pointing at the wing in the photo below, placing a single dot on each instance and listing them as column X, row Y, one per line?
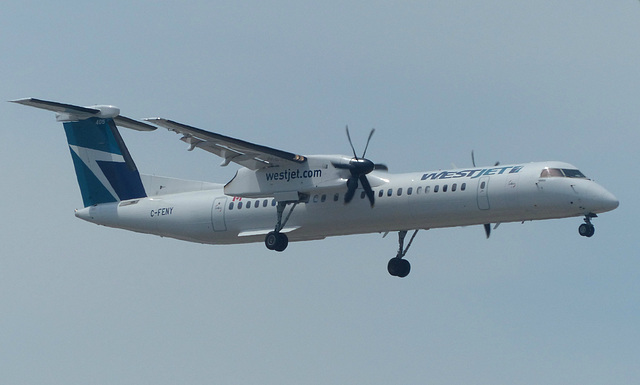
column 249, row 155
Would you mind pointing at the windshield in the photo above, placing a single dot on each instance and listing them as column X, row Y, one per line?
column 561, row 172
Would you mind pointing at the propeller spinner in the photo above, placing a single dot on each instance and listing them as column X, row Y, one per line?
column 359, row 167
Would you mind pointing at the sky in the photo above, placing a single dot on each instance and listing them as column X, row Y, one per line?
column 515, row 81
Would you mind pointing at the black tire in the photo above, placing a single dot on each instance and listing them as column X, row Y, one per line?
column 271, row 240
column 399, row 267
column 282, row 243
column 405, row 268
column 586, row 230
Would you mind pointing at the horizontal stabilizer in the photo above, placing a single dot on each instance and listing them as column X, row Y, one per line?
column 133, row 124
column 69, row 113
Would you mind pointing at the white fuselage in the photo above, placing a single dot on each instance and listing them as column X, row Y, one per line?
column 409, row 201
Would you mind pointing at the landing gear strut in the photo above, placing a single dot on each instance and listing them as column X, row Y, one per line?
column 397, row 266
column 587, row 229
column 275, row 240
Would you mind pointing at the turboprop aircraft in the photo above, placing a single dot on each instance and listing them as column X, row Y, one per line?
column 278, row 196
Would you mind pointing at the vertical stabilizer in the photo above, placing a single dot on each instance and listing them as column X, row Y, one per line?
column 104, row 168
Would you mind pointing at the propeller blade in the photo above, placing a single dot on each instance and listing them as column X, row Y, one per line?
column 473, row 159
column 351, row 144
column 359, row 168
column 368, row 140
column 367, row 189
column 352, row 185
column 349, row 194
column 487, row 229
column 380, row 167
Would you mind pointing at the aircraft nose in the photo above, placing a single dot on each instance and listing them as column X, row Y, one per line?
column 605, row 201
column 610, row 202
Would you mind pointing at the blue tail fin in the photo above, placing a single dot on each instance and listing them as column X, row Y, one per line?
column 105, row 170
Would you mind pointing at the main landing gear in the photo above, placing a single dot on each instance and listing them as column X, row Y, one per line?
column 275, row 240
column 587, row 229
column 397, row 266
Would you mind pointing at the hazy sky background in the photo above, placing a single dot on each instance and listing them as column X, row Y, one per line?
column 516, row 81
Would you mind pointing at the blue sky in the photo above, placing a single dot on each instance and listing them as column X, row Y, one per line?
column 515, row 81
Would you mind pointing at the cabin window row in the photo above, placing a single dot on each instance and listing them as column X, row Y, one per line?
column 249, row 204
column 265, row 202
column 427, row 189
column 336, row 197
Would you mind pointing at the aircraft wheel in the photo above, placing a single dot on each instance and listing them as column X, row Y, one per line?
column 399, row 267
column 271, row 240
column 282, row 243
column 586, row 230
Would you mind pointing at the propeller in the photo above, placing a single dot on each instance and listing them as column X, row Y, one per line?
column 473, row 160
column 359, row 167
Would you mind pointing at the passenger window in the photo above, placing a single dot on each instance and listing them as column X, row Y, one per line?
column 265, row 203
column 435, row 189
column 380, row 193
column 419, row 190
column 273, row 202
column 409, row 190
column 231, row 206
column 239, row 205
column 362, row 194
column 389, row 192
column 248, row 205
column 399, row 191
column 454, row 187
column 336, row 197
column 483, row 185
column 444, row 188
column 257, row 204
column 427, row 189
column 315, row 198
column 463, row 187
column 323, row 198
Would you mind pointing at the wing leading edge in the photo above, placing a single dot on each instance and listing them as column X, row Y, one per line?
column 249, row 155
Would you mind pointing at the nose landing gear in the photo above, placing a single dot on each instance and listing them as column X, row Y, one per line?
column 587, row 229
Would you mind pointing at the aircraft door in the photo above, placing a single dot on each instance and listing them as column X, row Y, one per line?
column 483, row 196
column 217, row 214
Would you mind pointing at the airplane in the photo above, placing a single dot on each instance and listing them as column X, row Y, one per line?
column 278, row 196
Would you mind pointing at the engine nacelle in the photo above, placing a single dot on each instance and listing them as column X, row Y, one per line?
column 318, row 173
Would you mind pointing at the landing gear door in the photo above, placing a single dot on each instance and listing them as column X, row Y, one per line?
column 217, row 214
column 483, row 196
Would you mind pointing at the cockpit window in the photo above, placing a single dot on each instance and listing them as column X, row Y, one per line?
column 572, row 173
column 551, row 172
column 561, row 172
